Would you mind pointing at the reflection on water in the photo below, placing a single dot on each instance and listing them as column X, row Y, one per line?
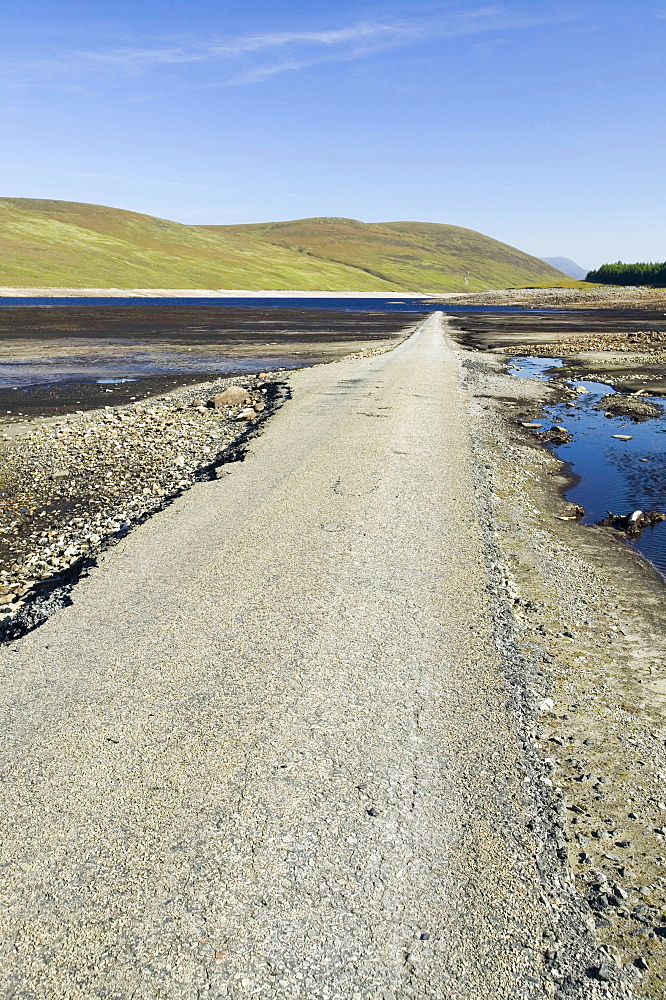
column 131, row 365
column 615, row 475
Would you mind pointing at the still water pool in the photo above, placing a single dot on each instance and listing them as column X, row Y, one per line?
column 609, row 474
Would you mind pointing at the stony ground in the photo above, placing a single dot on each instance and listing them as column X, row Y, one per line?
column 590, row 614
column 594, row 297
column 73, row 484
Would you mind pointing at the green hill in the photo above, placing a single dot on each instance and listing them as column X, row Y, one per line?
column 415, row 256
column 64, row 243
column 70, row 244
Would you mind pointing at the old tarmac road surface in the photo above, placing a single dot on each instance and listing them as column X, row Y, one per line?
column 267, row 750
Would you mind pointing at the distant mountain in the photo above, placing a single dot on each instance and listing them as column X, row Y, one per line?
column 569, row 267
column 65, row 243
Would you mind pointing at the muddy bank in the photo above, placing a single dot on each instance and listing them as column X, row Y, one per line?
column 63, row 357
column 589, row 618
column 563, row 332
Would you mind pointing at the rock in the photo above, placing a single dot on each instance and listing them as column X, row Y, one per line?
column 632, row 524
column 640, row 963
column 530, row 426
column 622, row 437
column 603, row 972
column 574, row 514
column 259, row 406
column 232, row 396
column 556, row 435
column 248, row 414
column 629, row 406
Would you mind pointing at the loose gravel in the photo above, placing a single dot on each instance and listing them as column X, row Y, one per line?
column 73, row 485
column 587, row 620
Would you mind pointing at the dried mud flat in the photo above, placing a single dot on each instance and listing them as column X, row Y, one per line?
column 149, row 348
column 589, row 617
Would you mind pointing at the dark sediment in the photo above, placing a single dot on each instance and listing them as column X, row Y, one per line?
column 554, row 333
column 161, row 346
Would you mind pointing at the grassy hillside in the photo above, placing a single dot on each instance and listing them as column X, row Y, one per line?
column 60, row 243
column 416, row 256
column 64, row 243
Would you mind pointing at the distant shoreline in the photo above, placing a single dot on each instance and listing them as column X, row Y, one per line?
column 551, row 297
column 200, row 293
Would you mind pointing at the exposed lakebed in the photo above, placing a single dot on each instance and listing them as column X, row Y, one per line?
column 58, row 356
column 608, row 473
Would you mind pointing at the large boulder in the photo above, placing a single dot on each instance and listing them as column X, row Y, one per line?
column 233, row 396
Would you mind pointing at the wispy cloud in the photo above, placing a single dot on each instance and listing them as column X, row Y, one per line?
column 253, row 58
column 94, row 175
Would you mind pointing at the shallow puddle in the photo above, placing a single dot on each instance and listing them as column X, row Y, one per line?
column 609, row 474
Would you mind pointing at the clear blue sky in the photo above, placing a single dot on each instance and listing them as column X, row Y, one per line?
column 540, row 123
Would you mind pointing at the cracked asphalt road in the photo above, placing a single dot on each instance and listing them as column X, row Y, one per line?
column 267, row 751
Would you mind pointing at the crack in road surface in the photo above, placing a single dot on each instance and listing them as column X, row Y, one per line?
column 259, row 758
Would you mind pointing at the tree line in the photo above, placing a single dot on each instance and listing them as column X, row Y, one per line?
column 629, row 274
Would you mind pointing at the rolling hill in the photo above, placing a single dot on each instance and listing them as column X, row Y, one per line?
column 71, row 244
column 414, row 256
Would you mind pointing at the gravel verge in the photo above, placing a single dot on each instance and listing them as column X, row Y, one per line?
column 581, row 627
column 74, row 485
